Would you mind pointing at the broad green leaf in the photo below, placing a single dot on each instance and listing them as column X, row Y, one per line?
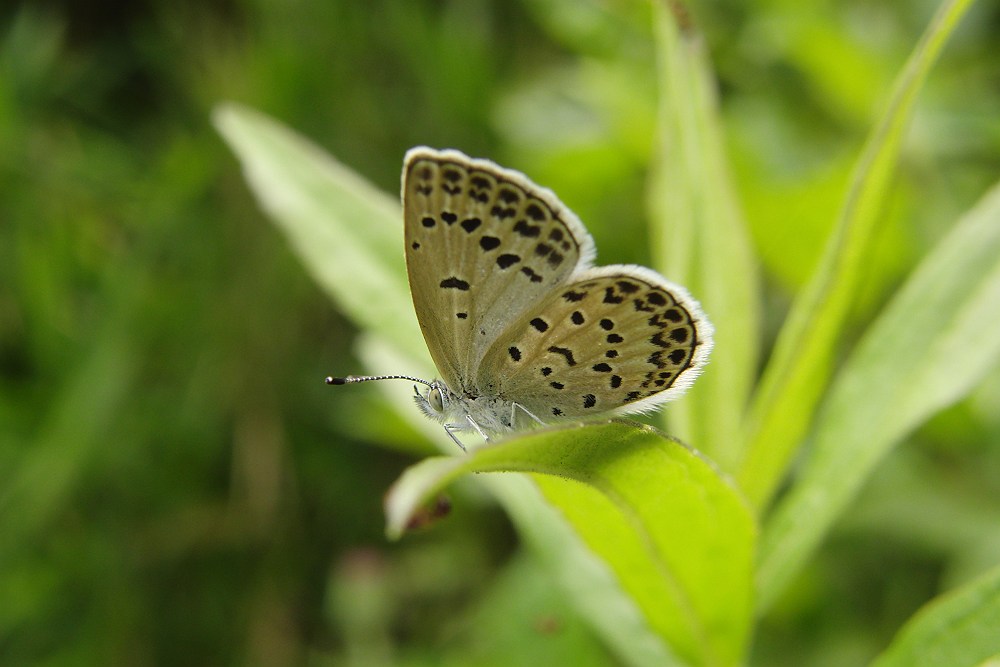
column 585, row 578
column 931, row 346
column 701, row 240
column 348, row 233
column 797, row 375
column 678, row 538
column 959, row 629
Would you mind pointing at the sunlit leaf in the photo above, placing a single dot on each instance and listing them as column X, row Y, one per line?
column 798, row 371
column 959, row 629
column 701, row 240
column 677, row 537
column 931, row 346
column 348, row 233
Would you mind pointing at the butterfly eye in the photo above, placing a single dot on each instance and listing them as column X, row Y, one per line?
column 436, row 399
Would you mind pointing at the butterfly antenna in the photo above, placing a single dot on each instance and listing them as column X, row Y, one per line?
column 366, row 378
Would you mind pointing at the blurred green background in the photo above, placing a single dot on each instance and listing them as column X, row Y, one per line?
column 177, row 485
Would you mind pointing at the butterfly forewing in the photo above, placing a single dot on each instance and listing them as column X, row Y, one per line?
column 619, row 338
column 483, row 244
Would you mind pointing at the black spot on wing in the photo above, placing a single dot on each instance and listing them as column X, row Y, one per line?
column 657, row 339
column 455, row 283
column 489, row 243
column 535, row 212
column 507, row 260
column 528, row 231
column 565, row 352
column 610, row 296
column 627, row 287
column 535, row 277
column 509, row 196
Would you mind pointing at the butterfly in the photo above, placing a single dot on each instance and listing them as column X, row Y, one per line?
column 520, row 325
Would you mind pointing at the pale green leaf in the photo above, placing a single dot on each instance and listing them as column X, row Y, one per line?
column 959, row 629
column 800, row 367
column 678, row 539
column 931, row 346
column 348, row 233
column 700, row 239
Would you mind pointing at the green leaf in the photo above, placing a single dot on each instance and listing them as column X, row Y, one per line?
column 959, row 629
column 803, row 358
column 701, row 241
column 348, row 233
column 931, row 346
column 678, row 538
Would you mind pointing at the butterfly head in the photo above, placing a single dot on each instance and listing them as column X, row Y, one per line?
column 433, row 401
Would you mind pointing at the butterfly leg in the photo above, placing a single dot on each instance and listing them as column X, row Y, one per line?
column 476, row 428
column 450, row 430
column 513, row 411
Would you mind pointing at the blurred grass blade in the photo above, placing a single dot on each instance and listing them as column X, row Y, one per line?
column 677, row 537
column 348, row 234
column 701, row 240
column 42, row 482
column 959, row 629
column 931, row 346
column 798, row 372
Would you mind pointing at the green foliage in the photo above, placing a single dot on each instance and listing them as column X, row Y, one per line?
column 178, row 485
column 803, row 358
column 611, row 482
column 959, row 628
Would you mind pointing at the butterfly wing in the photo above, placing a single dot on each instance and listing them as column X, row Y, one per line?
column 483, row 244
column 616, row 338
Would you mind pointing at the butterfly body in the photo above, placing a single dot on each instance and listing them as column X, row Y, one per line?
column 485, row 414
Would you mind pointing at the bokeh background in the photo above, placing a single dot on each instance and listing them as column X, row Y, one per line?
column 177, row 485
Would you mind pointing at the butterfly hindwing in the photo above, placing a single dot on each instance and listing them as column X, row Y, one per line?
column 618, row 338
